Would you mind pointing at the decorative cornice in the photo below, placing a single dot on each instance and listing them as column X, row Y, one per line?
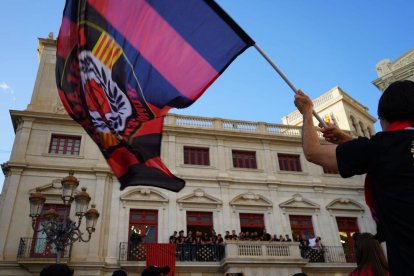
column 299, row 203
column 144, row 195
column 345, row 205
column 199, row 199
column 251, row 201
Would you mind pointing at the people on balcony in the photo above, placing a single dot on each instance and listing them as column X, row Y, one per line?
column 213, row 238
column 173, row 237
column 266, row 236
column 304, row 246
column 180, row 239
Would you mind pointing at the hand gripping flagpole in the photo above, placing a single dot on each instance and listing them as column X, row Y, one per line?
column 322, row 122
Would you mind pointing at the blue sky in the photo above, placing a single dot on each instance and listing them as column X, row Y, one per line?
column 318, row 44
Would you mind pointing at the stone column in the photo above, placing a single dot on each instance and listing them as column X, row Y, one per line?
column 272, row 227
column 11, row 186
column 222, row 158
column 21, row 142
column 226, row 213
column 176, row 214
column 99, row 241
column 116, row 222
column 170, row 154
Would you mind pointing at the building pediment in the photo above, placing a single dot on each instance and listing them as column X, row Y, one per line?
column 345, row 205
column 52, row 191
column 251, row 201
column 199, row 199
column 299, row 204
column 141, row 196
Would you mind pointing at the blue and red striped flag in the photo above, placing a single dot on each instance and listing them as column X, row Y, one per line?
column 122, row 64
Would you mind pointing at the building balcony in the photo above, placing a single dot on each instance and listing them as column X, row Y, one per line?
column 34, row 253
column 234, row 254
column 39, row 250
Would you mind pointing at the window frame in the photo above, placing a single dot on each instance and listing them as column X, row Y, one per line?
column 73, row 149
column 301, row 228
column 143, row 222
column 198, row 156
column 243, row 159
column 251, row 225
column 285, row 165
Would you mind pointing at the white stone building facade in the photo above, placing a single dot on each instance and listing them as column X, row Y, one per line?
column 269, row 190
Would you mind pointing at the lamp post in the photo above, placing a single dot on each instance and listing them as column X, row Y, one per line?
column 62, row 231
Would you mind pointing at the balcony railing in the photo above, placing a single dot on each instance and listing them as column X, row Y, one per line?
column 233, row 250
column 329, row 254
column 257, row 250
column 39, row 248
column 231, row 125
column 175, row 120
column 184, row 252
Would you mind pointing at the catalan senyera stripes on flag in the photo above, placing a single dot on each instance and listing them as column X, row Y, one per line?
column 122, row 64
column 106, row 50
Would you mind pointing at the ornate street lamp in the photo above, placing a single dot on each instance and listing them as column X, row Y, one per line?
column 62, row 231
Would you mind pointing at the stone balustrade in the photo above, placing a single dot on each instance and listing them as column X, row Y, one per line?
column 262, row 250
column 231, row 125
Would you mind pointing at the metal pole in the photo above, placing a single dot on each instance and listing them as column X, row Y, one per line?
column 322, row 122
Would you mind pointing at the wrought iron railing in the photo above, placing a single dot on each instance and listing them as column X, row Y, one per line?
column 184, row 252
column 329, row 254
column 39, row 248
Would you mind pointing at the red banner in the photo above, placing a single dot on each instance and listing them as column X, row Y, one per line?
column 161, row 254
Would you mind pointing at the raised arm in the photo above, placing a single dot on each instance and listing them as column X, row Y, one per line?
column 323, row 155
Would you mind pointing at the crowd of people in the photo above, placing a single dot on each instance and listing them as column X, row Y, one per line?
column 311, row 248
column 212, row 238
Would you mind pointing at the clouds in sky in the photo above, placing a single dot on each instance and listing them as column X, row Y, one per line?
column 5, row 88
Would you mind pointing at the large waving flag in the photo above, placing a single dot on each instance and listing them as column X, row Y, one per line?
column 122, row 64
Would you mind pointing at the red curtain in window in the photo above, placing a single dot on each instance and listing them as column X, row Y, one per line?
column 244, row 159
column 161, row 254
column 347, row 226
column 289, row 162
column 196, row 156
column 301, row 225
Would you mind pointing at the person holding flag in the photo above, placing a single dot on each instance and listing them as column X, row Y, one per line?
column 388, row 160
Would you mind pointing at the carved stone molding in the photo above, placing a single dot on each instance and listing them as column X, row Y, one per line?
column 144, row 196
column 251, row 201
column 52, row 191
column 299, row 204
column 345, row 205
column 199, row 199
